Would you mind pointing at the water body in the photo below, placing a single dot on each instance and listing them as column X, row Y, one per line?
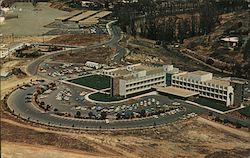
column 31, row 20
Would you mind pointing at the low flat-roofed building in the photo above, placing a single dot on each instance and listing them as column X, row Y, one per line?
column 83, row 15
column 88, row 22
column 92, row 20
column 5, row 73
column 69, row 15
column 101, row 14
column 179, row 92
column 87, row 4
column 93, row 65
column 3, row 51
column 230, row 42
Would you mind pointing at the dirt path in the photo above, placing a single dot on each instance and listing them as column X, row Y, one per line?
column 226, row 128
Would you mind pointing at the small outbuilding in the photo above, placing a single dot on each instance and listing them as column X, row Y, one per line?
column 93, row 65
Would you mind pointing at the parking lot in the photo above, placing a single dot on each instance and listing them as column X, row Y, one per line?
column 69, row 100
column 59, row 71
column 144, row 111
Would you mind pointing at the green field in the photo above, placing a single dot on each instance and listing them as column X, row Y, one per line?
column 212, row 103
column 104, row 97
column 94, row 81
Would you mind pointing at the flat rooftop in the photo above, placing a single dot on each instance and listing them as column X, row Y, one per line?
column 84, row 15
column 95, row 18
column 219, row 82
column 177, row 91
column 89, row 22
column 199, row 73
column 69, row 15
column 123, row 71
column 215, row 81
column 194, row 73
column 102, row 14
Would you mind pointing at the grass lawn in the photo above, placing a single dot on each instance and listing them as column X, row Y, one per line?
column 245, row 111
column 104, row 97
column 212, row 103
column 94, row 81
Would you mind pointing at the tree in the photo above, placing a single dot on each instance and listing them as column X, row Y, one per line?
column 217, row 119
column 238, row 125
column 90, row 114
column 143, row 112
column 210, row 113
column 118, row 116
column 208, row 17
column 42, row 103
column 103, row 115
column 78, row 114
column 47, row 107
column 34, row 2
column 210, row 61
column 154, row 124
column 237, row 70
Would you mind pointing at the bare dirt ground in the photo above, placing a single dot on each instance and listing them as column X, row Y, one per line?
column 29, row 151
column 149, row 53
column 78, row 40
column 27, row 39
column 12, row 81
column 7, row 85
column 6, row 65
column 192, row 138
column 61, row 6
column 100, row 55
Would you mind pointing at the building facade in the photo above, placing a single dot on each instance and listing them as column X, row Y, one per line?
column 207, row 86
column 138, row 78
column 135, row 78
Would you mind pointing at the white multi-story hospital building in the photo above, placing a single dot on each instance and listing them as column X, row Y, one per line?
column 137, row 78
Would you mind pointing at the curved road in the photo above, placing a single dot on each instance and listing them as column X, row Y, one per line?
column 113, row 43
column 27, row 110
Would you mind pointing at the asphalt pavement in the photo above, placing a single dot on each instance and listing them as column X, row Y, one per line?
column 27, row 110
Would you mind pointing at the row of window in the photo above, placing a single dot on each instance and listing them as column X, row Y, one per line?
column 145, row 82
column 199, row 87
column 197, row 82
column 211, row 95
column 145, row 86
column 207, row 94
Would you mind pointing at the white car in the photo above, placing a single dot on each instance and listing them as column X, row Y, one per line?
column 176, row 103
column 107, row 121
column 155, row 116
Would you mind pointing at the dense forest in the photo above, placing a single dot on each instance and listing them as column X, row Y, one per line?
column 174, row 20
